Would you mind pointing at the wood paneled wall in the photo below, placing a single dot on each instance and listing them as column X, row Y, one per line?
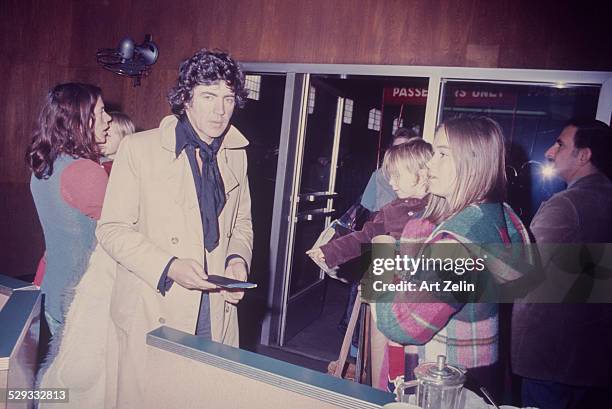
column 43, row 42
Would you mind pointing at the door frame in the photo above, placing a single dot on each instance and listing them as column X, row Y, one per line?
column 295, row 99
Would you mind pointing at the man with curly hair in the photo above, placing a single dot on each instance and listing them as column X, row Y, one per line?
column 177, row 210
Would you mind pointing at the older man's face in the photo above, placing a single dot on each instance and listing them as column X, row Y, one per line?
column 564, row 155
column 211, row 109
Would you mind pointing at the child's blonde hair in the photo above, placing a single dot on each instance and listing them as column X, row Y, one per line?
column 412, row 156
column 125, row 126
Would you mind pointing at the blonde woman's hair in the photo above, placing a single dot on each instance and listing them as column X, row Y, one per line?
column 123, row 122
column 476, row 144
column 412, row 156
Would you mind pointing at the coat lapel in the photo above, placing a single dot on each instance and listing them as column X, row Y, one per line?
column 180, row 180
column 229, row 179
column 233, row 140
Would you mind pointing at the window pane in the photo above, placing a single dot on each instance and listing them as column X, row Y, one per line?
column 397, row 123
column 311, row 99
column 531, row 116
column 348, row 111
column 253, row 84
column 374, row 119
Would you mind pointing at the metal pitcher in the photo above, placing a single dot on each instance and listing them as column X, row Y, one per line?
column 438, row 385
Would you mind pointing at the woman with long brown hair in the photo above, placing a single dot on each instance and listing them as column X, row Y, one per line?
column 68, row 186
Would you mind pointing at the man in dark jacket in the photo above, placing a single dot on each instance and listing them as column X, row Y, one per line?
column 563, row 352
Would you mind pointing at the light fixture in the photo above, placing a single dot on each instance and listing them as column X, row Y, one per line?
column 130, row 59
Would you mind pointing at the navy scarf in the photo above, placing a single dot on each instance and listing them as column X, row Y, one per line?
column 208, row 181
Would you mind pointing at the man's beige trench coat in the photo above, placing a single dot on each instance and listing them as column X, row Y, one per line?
column 150, row 215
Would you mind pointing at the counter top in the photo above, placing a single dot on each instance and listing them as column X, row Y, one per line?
column 277, row 373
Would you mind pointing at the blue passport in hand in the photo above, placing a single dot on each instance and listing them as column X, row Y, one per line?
column 229, row 283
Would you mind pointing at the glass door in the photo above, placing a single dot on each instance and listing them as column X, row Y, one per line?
column 312, row 203
column 261, row 123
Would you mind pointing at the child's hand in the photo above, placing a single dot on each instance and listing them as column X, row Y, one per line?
column 383, row 239
column 317, row 255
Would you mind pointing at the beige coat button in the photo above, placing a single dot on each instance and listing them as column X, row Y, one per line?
column 174, row 240
column 162, row 320
column 227, row 308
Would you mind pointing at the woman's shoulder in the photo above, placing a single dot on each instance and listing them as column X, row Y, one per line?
column 69, row 165
column 82, row 186
column 477, row 213
column 64, row 160
column 83, row 171
column 465, row 219
column 483, row 222
column 83, row 164
column 471, row 223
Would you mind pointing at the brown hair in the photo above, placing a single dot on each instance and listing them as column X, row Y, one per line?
column 597, row 137
column 207, row 67
column 476, row 144
column 65, row 126
column 403, row 133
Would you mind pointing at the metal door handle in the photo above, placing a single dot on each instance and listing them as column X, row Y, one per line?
column 314, row 214
column 314, row 196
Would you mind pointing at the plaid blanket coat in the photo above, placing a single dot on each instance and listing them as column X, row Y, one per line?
column 467, row 333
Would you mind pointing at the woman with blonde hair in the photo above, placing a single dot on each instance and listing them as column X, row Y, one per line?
column 467, row 186
column 120, row 126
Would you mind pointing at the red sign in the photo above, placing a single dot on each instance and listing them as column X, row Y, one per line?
column 458, row 97
column 405, row 95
